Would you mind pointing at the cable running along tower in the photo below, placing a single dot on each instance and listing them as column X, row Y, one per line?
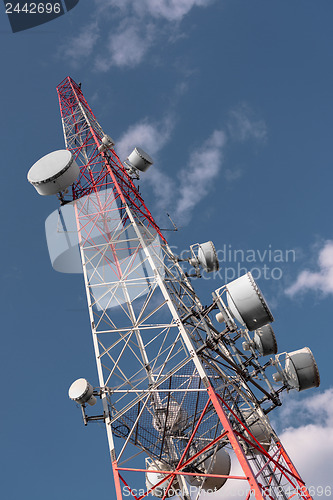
column 184, row 396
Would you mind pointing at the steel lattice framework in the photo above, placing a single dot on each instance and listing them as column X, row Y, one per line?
column 174, row 389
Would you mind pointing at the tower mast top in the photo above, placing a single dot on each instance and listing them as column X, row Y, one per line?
column 93, row 151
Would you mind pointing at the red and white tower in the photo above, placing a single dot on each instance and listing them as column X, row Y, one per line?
column 182, row 397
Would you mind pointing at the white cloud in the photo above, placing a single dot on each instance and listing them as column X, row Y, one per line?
column 309, row 439
column 310, row 447
column 170, row 10
column 243, row 125
column 307, row 436
column 81, row 46
column 164, row 189
column 151, row 136
column 317, row 406
column 197, row 178
column 321, row 280
column 127, row 46
column 135, row 27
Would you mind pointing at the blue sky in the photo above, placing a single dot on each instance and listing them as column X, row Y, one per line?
column 233, row 99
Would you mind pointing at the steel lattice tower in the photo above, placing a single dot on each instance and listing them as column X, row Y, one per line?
column 175, row 390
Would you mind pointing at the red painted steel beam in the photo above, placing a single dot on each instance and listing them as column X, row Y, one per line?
column 254, row 485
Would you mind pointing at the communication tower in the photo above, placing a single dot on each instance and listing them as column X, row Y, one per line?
column 184, row 395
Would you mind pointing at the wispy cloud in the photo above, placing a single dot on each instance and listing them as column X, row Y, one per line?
column 197, row 177
column 170, row 10
column 82, row 45
column 233, row 174
column 320, row 280
column 244, row 125
column 127, row 45
column 136, row 27
column 164, row 188
column 149, row 135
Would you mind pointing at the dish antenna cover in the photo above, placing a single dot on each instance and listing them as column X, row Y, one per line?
column 153, row 478
column 54, row 173
column 140, row 159
column 82, row 392
column 218, row 464
column 258, row 430
column 301, row 369
column 247, row 304
column 107, row 143
column 265, row 341
column 171, row 417
column 207, row 257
